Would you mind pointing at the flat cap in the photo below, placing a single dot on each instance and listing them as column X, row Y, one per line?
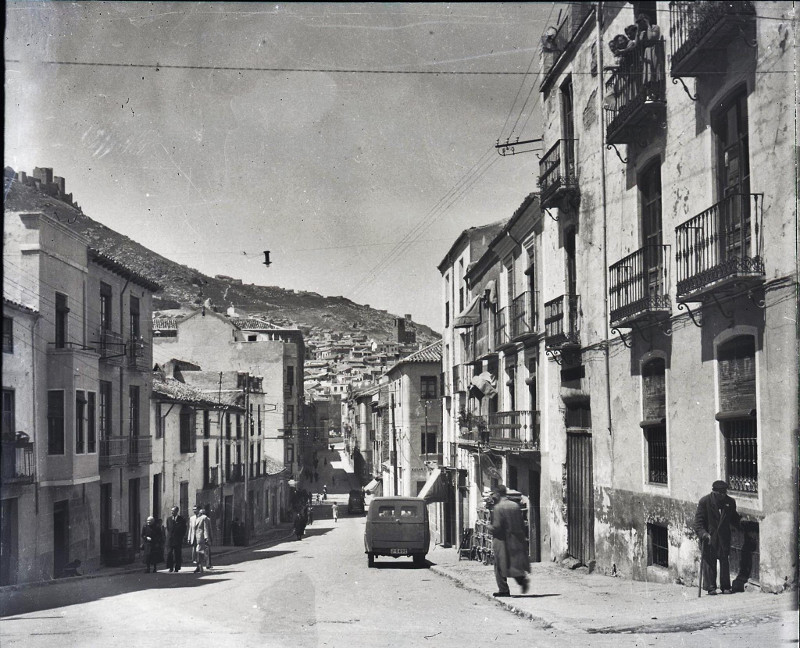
column 719, row 485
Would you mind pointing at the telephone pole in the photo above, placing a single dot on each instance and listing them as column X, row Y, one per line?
column 394, row 451
column 246, row 516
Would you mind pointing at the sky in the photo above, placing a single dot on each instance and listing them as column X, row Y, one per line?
column 210, row 132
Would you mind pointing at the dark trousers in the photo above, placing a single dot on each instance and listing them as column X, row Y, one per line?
column 710, row 558
column 174, row 557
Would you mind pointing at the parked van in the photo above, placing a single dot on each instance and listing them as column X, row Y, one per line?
column 397, row 526
column 355, row 502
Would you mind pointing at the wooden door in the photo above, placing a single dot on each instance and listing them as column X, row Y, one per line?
column 580, row 500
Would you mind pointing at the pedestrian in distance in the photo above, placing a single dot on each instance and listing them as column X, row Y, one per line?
column 152, row 544
column 299, row 524
column 508, row 543
column 335, row 512
column 176, row 532
column 190, row 538
column 202, row 538
column 207, row 510
column 310, row 514
column 716, row 513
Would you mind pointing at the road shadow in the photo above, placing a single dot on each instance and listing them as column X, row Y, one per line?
column 87, row 590
column 317, row 531
column 252, row 556
column 405, row 564
column 522, row 596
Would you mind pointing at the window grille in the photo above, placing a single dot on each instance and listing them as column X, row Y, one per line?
column 657, row 545
column 656, row 454
column 741, row 454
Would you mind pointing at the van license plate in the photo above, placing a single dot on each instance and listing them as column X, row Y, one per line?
column 398, row 552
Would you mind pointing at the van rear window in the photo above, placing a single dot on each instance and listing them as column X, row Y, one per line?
column 386, row 511
column 409, row 511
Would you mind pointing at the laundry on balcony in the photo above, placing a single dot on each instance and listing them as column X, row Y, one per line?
column 485, row 383
column 471, row 315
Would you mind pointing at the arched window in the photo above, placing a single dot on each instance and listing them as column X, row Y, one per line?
column 654, row 410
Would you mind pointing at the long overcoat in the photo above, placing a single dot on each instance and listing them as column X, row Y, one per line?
column 715, row 515
column 508, row 539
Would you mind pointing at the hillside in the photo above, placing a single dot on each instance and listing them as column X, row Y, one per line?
column 184, row 286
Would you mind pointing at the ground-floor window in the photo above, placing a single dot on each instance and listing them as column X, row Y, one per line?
column 656, row 436
column 657, row 545
column 741, row 454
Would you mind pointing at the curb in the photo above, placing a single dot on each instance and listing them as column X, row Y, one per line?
column 121, row 571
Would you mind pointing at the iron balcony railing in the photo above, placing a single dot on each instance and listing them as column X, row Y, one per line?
column 113, row 451
column 523, row 314
column 140, row 450
column 17, row 463
column 698, row 28
column 517, row 428
column 561, row 317
column 500, row 328
column 112, row 348
column 640, row 284
column 638, row 91
column 557, row 172
column 720, row 245
column 139, row 354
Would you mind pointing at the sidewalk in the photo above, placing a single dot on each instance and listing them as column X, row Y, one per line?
column 575, row 601
column 274, row 535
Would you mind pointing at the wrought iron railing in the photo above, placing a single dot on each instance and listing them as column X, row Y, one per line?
column 640, row 283
column 741, row 454
column 561, row 318
column 523, row 314
column 112, row 348
column 140, row 449
column 113, row 451
column 557, row 170
column 692, row 27
column 514, row 428
column 139, row 354
column 723, row 242
column 639, row 80
column 17, row 463
column 500, row 328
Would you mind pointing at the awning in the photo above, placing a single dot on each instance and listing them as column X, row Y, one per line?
column 486, row 383
column 471, row 316
column 372, row 486
column 435, row 489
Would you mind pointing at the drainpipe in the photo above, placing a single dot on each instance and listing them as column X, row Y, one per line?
column 606, row 332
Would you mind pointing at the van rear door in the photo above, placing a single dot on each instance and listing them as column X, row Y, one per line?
column 398, row 525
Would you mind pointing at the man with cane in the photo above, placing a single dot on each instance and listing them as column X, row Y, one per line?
column 716, row 512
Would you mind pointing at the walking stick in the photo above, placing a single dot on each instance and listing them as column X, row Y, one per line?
column 700, row 579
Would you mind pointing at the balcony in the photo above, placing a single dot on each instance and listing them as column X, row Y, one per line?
column 432, row 457
column 236, row 473
column 139, row 354
column 113, row 451
column 212, row 477
column 561, row 328
column 558, row 180
column 700, row 32
column 720, row 247
column 639, row 286
column 523, row 315
column 17, row 462
column 482, row 340
column 140, row 450
column 112, row 348
column 518, row 429
column 500, row 329
column 638, row 91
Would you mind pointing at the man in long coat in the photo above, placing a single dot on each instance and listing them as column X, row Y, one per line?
column 716, row 513
column 508, row 543
column 202, row 538
column 176, row 531
column 190, row 538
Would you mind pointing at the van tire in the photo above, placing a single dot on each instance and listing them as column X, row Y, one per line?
column 419, row 560
column 370, row 560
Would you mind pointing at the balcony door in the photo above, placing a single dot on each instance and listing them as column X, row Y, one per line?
column 652, row 238
column 733, row 179
column 572, row 281
column 568, row 128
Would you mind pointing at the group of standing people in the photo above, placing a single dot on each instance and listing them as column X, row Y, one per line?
column 197, row 533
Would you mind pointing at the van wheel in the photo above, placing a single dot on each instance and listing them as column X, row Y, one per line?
column 419, row 560
column 370, row 560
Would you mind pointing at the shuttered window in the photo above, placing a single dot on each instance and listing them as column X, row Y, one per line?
column 737, row 374
column 654, row 400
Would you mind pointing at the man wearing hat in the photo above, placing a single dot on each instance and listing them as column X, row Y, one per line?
column 508, row 543
column 716, row 512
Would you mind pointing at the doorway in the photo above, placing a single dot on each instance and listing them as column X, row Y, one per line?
column 8, row 542
column 60, row 536
column 134, row 514
column 227, row 520
column 580, row 500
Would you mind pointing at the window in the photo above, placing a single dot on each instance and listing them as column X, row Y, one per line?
column 289, row 380
column 80, row 422
column 251, row 421
column 427, row 442
column 135, row 326
column 737, row 398
column 289, row 454
column 186, row 428
column 650, row 197
column 62, row 311
column 91, row 423
column 105, row 409
column 427, row 387
column 9, row 422
column 289, row 414
column 8, row 335
column 159, row 421
column 446, row 314
column 55, row 422
column 133, row 410
column 258, row 413
column 654, row 411
column 206, row 424
column 227, row 425
column 657, row 545
column 568, row 127
column 578, row 415
column 105, row 307
column 238, row 426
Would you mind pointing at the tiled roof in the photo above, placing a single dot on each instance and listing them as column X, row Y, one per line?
column 431, row 353
column 274, row 467
column 253, row 324
column 180, row 392
column 19, row 306
column 103, row 259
